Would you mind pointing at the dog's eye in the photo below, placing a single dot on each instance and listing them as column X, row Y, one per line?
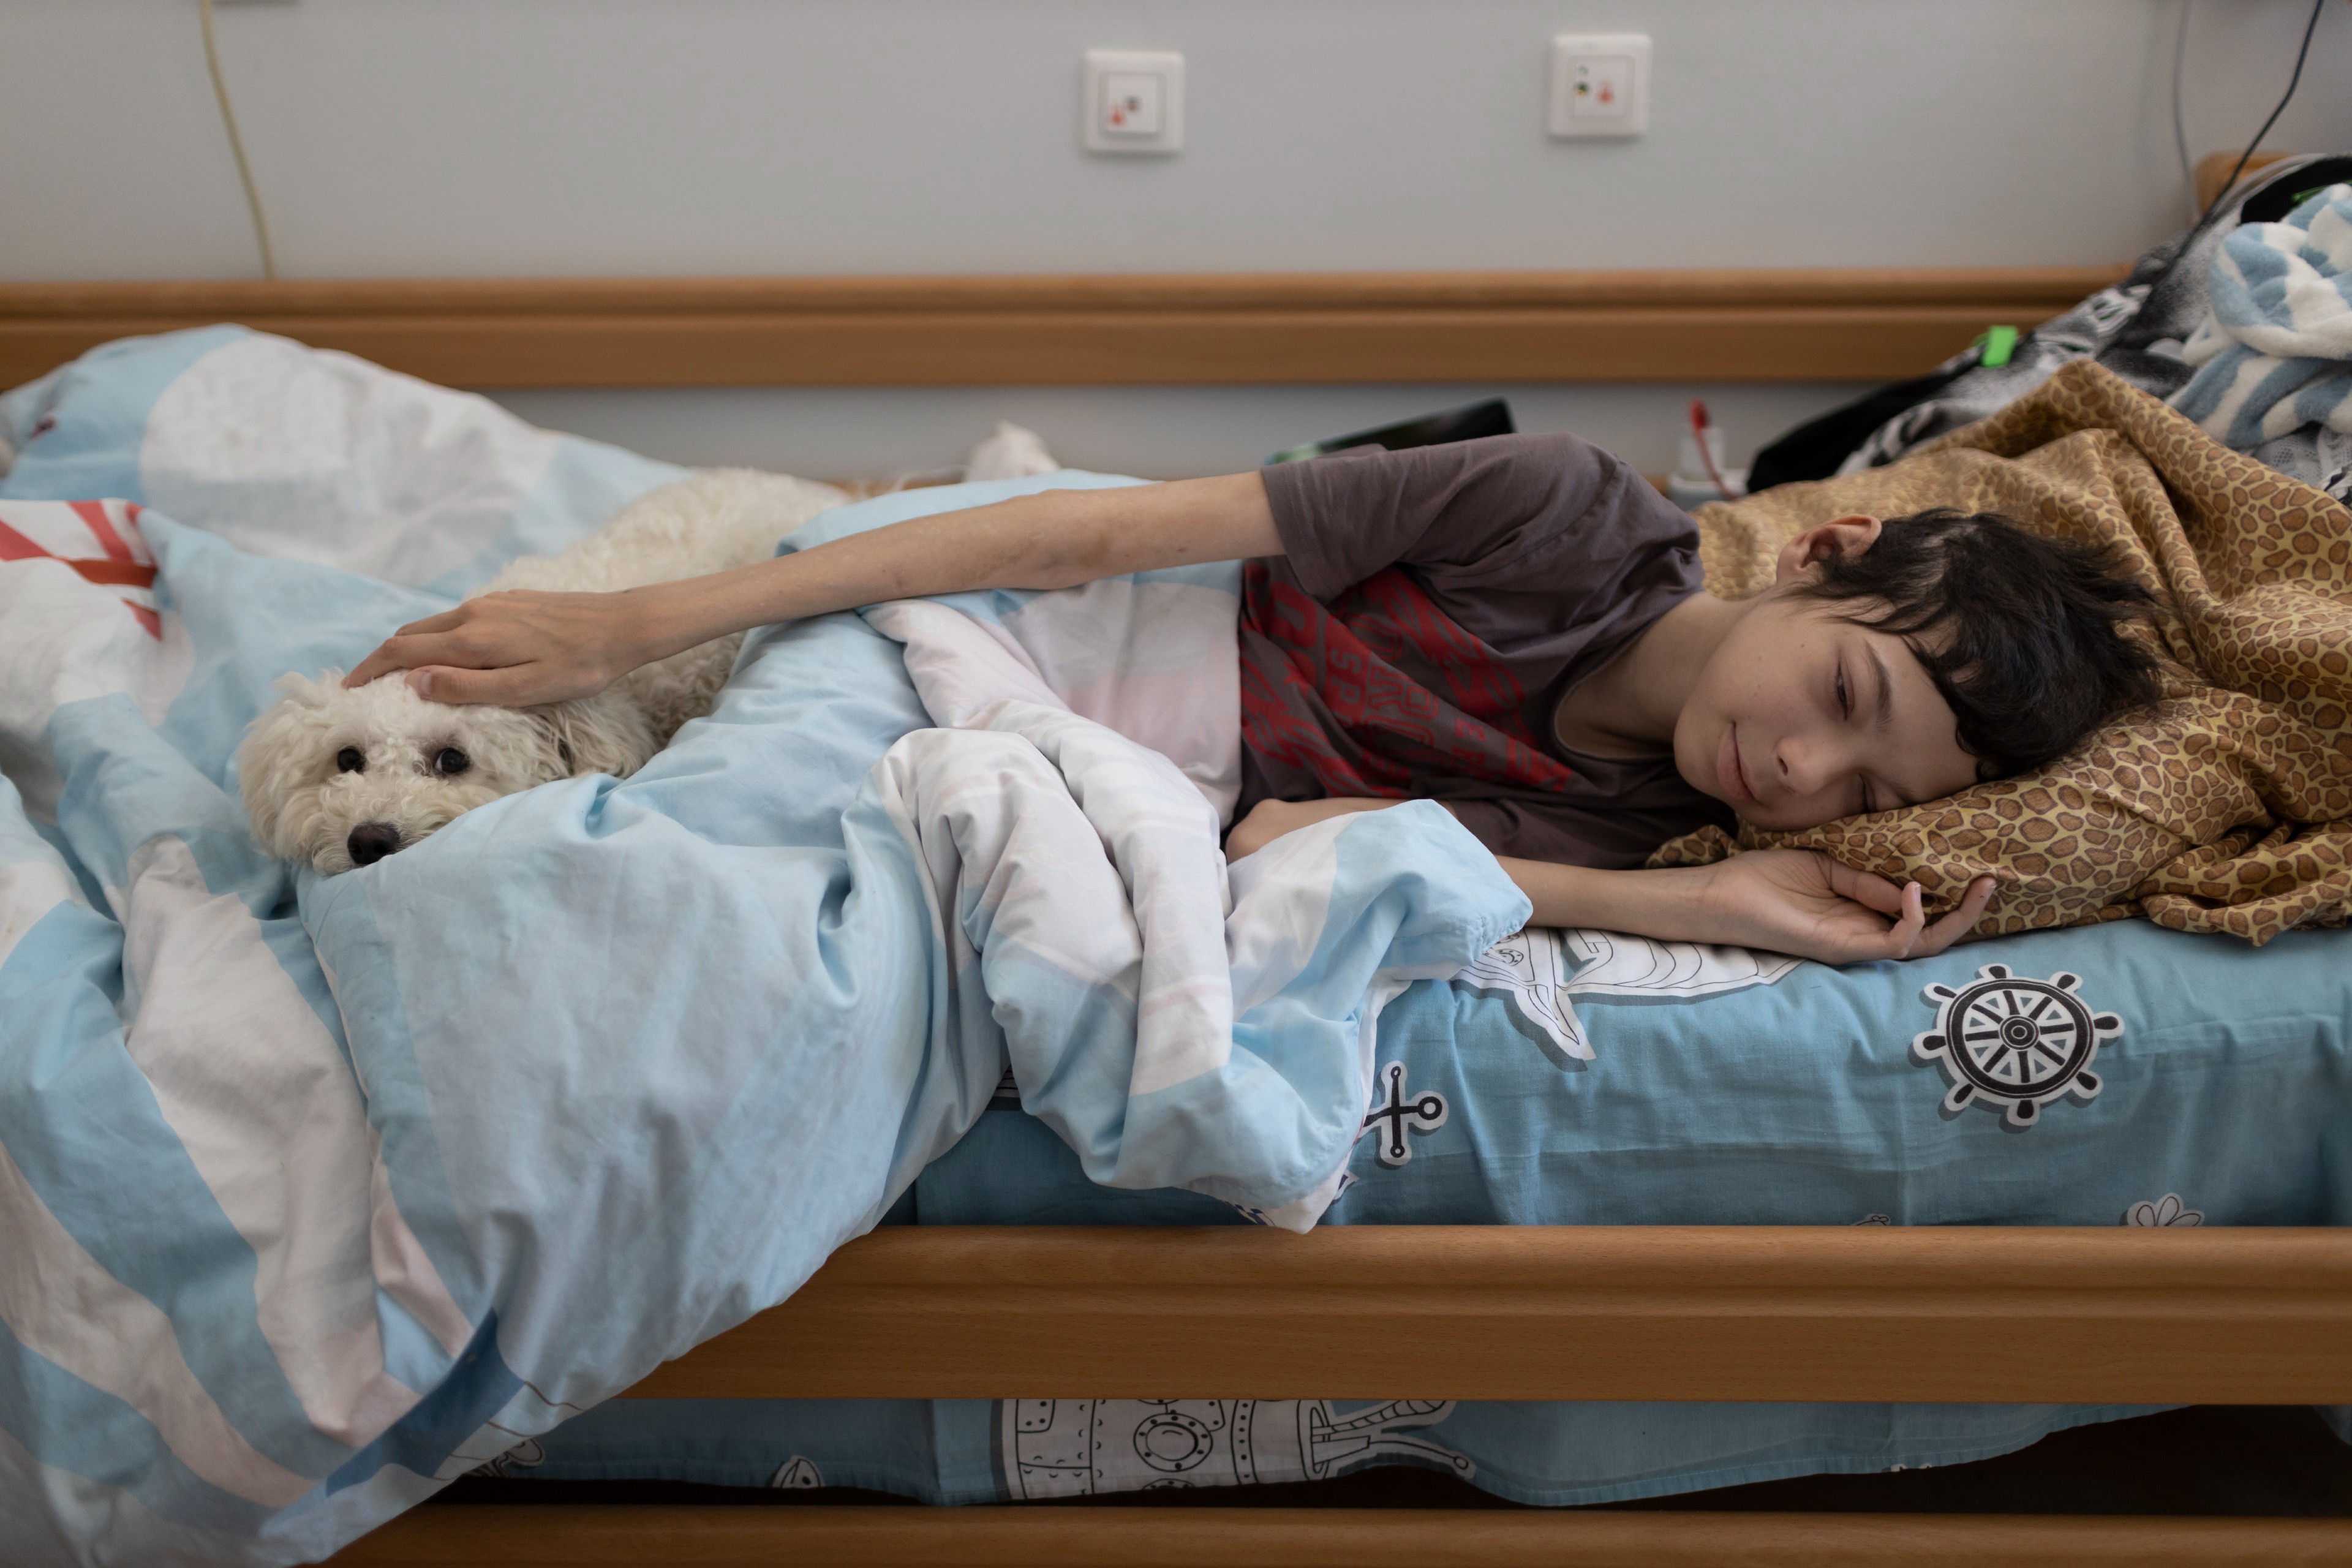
column 449, row 762
column 349, row 761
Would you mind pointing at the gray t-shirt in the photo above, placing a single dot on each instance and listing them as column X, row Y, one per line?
column 1433, row 608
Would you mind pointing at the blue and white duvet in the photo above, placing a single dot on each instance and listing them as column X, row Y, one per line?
column 315, row 1193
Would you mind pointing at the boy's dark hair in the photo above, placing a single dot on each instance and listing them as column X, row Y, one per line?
column 2018, row 631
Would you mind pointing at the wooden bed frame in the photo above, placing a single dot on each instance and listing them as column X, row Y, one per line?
column 1708, row 1312
column 1871, row 1313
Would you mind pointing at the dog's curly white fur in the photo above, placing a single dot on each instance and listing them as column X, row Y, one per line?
column 421, row 764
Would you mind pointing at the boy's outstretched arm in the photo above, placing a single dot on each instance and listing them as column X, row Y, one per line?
column 1784, row 900
column 520, row 648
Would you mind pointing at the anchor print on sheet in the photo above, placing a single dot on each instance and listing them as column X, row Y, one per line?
column 97, row 540
column 1076, row 1447
column 1395, row 1110
column 1540, row 970
column 79, row 588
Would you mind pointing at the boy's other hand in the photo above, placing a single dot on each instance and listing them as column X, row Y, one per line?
column 1801, row 901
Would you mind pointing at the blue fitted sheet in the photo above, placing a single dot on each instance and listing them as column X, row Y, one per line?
column 2223, row 1101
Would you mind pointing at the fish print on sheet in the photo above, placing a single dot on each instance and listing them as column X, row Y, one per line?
column 1540, row 970
column 2167, row 1210
column 1077, row 1447
column 526, row 1455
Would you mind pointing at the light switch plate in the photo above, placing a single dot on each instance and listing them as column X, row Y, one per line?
column 1600, row 85
column 1133, row 102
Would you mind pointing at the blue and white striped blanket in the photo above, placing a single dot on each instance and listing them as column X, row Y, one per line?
column 315, row 1193
column 2275, row 355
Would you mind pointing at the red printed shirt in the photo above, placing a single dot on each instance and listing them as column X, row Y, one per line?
column 1432, row 608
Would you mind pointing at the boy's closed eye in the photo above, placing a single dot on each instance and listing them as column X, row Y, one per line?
column 1863, row 798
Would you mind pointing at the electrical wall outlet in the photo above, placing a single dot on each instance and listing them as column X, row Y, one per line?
column 1600, row 85
column 1134, row 103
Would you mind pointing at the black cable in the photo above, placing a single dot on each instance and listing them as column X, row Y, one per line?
column 2292, row 82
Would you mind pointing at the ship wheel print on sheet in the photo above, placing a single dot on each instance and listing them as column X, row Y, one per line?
column 1394, row 1112
column 2016, row 1043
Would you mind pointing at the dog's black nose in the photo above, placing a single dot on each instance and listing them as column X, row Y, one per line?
column 372, row 841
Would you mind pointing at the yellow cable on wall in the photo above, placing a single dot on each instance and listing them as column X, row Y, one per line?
column 236, row 146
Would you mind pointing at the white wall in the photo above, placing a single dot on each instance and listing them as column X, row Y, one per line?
column 1157, row 432
column 454, row 137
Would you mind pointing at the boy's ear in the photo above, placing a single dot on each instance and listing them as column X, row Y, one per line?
column 1848, row 535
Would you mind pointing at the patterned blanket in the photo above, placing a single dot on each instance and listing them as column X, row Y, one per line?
column 2229, row 807
column 2138, row 329
column 2276, row 353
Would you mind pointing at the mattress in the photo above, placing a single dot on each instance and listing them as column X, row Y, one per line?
column 1584, row 1078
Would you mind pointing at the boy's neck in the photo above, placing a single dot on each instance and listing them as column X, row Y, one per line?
column 1631, row 705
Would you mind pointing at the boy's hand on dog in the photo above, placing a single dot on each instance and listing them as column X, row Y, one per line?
column 517, row 649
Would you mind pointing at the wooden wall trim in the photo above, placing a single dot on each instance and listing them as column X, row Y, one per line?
column 528, row 1536
column 2113, row 1316
column 1196, row 329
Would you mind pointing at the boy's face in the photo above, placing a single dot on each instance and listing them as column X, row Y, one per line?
column 1802, row 717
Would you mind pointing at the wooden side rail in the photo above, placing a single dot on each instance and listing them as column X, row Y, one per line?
column 524, row 1536
column 1735, row 1312
column 1830, row 325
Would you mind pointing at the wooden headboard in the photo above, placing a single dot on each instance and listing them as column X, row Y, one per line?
column 2213, row 170
column 1100, row 330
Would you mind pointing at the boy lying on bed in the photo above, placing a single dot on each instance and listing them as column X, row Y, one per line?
column 1514, row 627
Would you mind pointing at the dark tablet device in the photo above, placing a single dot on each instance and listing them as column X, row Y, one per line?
column 1467, row 423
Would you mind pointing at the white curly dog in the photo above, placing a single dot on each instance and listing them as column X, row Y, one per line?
column 342, row 778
